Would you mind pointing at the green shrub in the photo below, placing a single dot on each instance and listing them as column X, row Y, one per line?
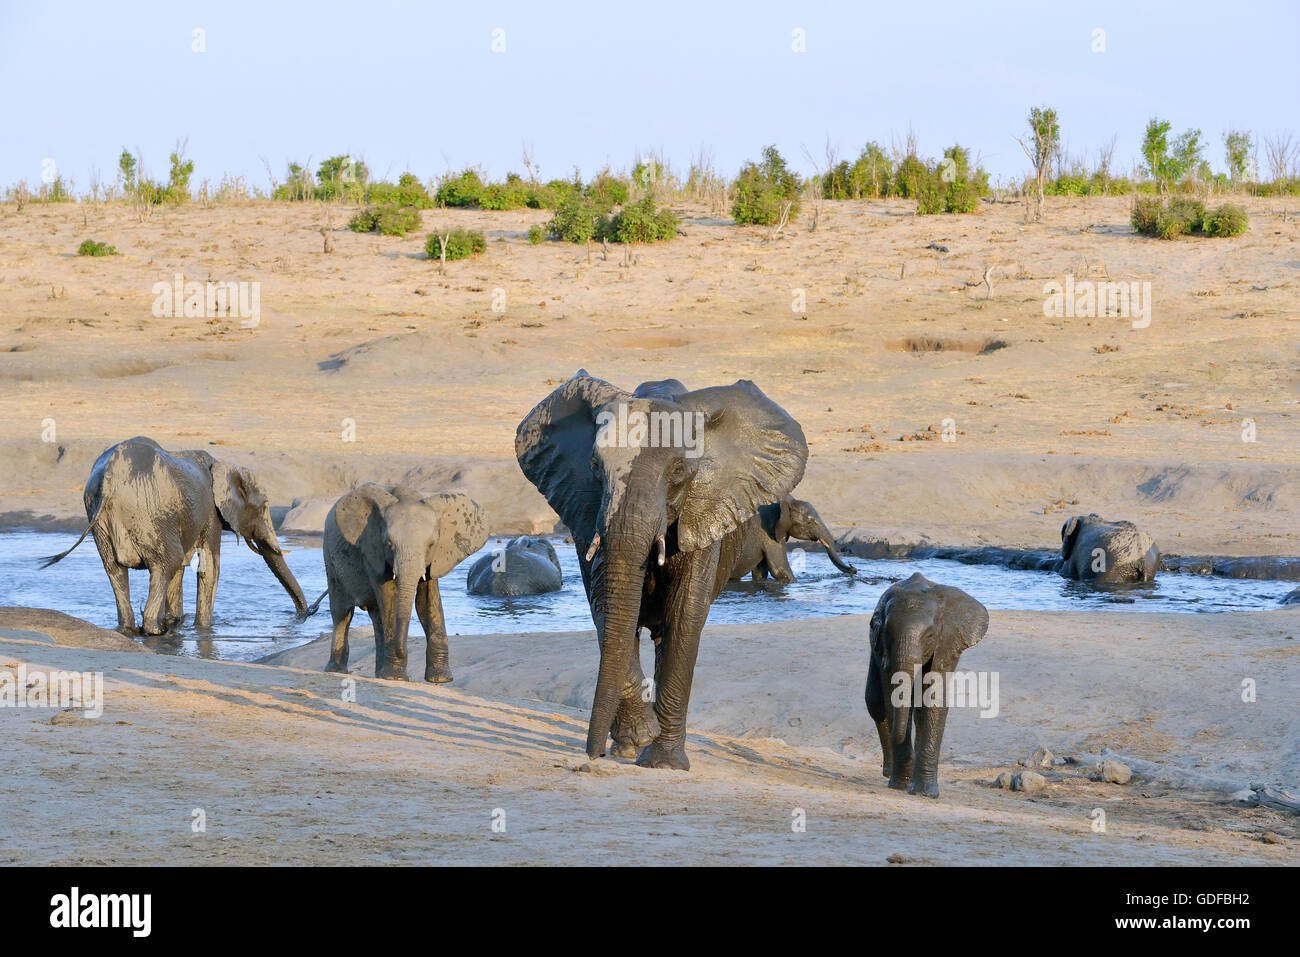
column 92, row 248
column 1226, row 221
column 387, row 220
column 951, row 186
column 607, row 189
column 868, row 177
column 763, row 189
column 341, row 178
column 512, row 194
column 535, row 234
column 463, row 190
column 577, row 219
column 1068, row 186
column 551, row 195
column 461, row 244
column 1185, row 216
column 909, row 177
column 408, row 191
column 639, row 223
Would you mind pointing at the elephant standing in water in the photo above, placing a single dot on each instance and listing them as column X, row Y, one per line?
column 525, row 566
column 763, row 550
column 385, row 549
column 918, row 629
column 656, row 487
column 149, row 508
column 1093, row 549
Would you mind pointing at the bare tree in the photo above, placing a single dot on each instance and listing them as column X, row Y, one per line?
column 1046, row 140
column 1282, row 154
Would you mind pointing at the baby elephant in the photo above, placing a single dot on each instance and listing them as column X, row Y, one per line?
column 762, row 551
column 385, row 549
column 918, row 629
column 1093, row 549
column 526, row 566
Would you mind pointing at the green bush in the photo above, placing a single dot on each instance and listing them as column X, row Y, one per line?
column 92, row 248
column 909, row 177
column 607, row 189
column 577, row 219
column 387, row 220
column 463, row 190
column 408, row 191
column 868, row 177
column 551, row 195
column 763, row 189
column 342, row 178
column 461, row 244
column 535, row 234
column 1226, row 221
column 638, row 223
column 1185, row 216
column 951, row 186
column 512, row 194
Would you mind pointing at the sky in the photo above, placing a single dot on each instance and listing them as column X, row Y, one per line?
column 432, row 87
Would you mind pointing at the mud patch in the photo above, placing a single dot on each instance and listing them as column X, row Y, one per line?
column 978, row 347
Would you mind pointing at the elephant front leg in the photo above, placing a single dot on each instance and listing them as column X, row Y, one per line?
column 390, row 656
column 342, row 617
column 686, row 608
column 777, row 563
column 900, row 776
column 929, row 742
column 437, row 653
column 635, row 724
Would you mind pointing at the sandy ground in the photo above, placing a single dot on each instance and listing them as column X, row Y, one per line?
column 1144, row 424
column 1053, row 416
column 285, row 770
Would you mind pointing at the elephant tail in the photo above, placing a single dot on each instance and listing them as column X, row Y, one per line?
column 47, row 562
column 311, row 609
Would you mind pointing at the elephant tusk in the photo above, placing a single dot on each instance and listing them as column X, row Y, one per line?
column 595, row 544
column 663, row 548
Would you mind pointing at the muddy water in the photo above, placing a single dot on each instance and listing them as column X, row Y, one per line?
column 254, row 617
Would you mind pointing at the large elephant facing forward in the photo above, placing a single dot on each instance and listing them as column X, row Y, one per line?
column 1093, row 549
column 150, row 508
column 763, row 550
column 656, row 489
column 918, row 629
column 385, row 549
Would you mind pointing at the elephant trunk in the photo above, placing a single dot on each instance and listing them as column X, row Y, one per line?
column 905, row 659
column 624, row 579
column 408, row 570
column 827, row 541
column 274, row 558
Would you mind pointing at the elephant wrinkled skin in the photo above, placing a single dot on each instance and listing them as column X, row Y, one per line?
column 385, row 549
column 153, row 509
column 656, row 487
column 918, row 629
column 1093, row 549
column 524, row 566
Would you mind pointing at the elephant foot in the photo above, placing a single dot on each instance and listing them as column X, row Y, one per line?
column 338, row 667
column 437, row 676
column 886, row 768
column 662, row 756
column 926, row 787
column 625, row 750
column 153, row 629
column 635, row 726
column 392, row 673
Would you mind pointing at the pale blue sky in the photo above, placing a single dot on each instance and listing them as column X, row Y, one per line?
column 417, row 86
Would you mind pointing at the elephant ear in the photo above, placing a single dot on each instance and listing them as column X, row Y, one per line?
column 232, row 489
column 665, row 389
column 461, row 531
column 360, row 510
column 753, row 453
column 554, row 443
column 1069, row 532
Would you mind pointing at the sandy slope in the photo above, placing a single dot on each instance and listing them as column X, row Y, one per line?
column 285, row 770
column 1138, row 423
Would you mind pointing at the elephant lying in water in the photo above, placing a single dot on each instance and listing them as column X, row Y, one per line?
column 385, row 549
column 763, row 551
column 1093, row 549
column 918, row 629
column 656, row 487
column 150, row 508
column 525, row 566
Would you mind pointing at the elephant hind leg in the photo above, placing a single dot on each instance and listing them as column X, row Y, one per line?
column 879, row 714
column 120, row 579
column 174, row 608
column 160, row 578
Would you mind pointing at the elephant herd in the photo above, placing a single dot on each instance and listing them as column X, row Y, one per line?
column 667, row 493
